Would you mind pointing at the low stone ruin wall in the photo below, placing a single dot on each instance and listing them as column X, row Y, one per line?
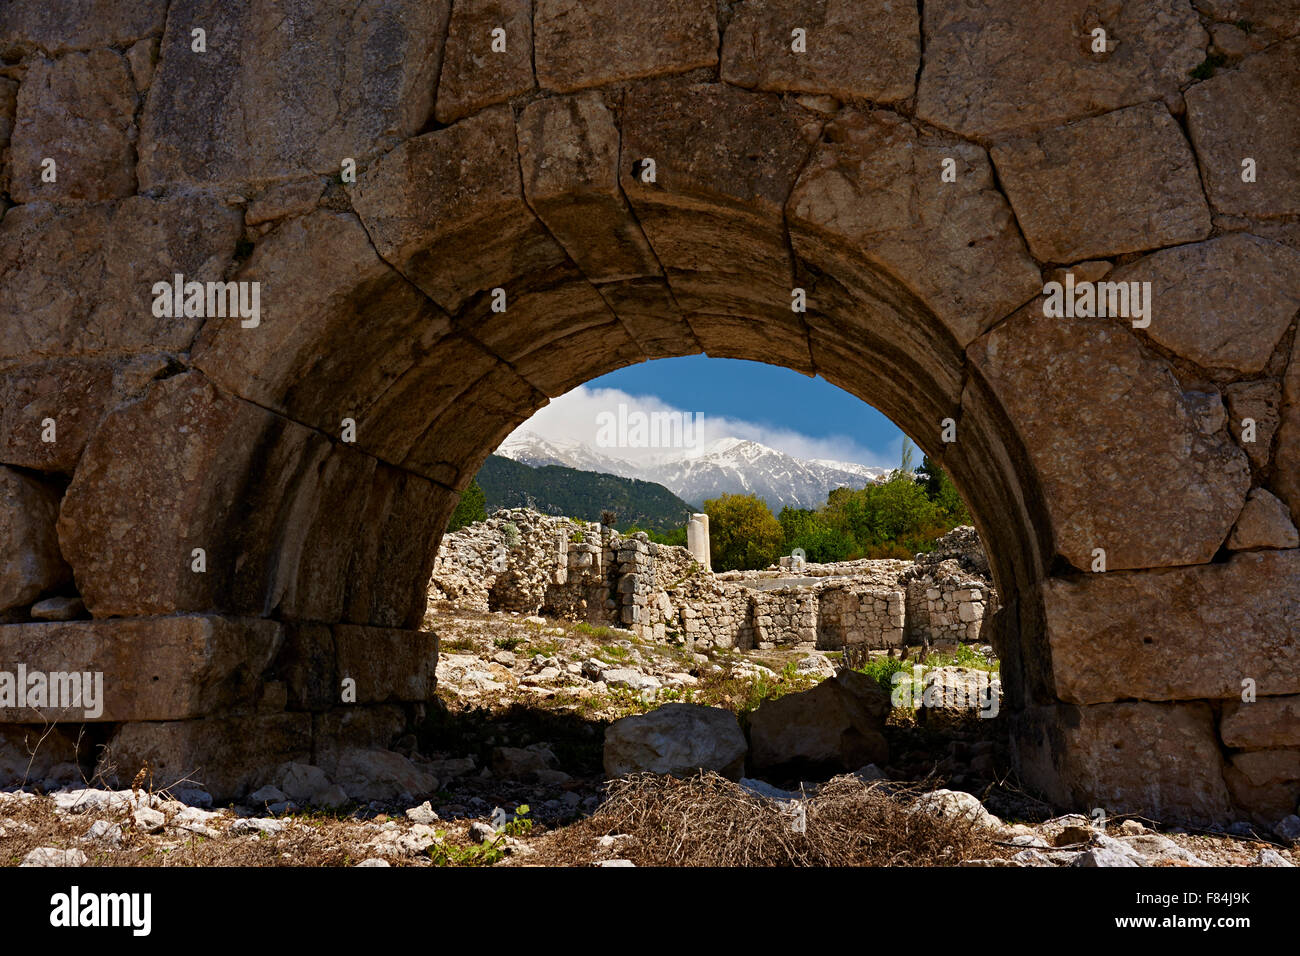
column 519, row 560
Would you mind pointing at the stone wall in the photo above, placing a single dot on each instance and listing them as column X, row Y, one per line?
column 519, row 560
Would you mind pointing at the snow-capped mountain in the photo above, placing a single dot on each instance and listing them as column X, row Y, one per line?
column 726, row 466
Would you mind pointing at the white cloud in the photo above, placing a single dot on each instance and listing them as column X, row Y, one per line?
column 574, row 417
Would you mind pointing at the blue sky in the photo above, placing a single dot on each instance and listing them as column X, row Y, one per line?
column 805, row 417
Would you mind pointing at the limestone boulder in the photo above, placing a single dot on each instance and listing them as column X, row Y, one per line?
column 1160, row 635
column 836, row 724
column 367, row 775
column 1223, row 303
column 1249, row 113
column 1265, row 522
column 583, row 43
column 996, row 66
column 852, row 50
column 286, row 88
column 678, row 739
column 875, row 184
column 1123, row 182
column 79, row 112
column 476, row 71
column 30, row 561
column 1100, row 415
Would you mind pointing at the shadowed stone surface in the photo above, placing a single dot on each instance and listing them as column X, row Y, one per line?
column 287, row 87
column 1258, row 401
column 1177, row 634
column 996, row 66
column 224, row 756
column 581, row 43
column 1250, row 112
column 1264, row 523
column 1286, row 456
column 30, row 563
column 57, row 26
column 1100, row 417
column 474, row 75
column 76, row 111
column 1123, row 182
column 854, row 50
column 569, row 152
column 1106, row 756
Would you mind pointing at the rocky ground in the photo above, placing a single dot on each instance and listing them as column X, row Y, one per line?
column 513, row 758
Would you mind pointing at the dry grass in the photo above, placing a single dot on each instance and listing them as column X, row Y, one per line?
column 707, row 820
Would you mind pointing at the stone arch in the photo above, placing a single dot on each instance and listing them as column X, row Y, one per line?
column 527, row 183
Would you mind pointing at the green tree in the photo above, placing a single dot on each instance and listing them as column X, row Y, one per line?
column 940, row 489
column 743, row 533
column 469, row 509
column 810, row 530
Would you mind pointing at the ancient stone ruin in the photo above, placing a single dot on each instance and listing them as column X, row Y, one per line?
column 276, row 278
column 522, row 561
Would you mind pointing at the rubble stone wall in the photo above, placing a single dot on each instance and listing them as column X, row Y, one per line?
column 520, row 560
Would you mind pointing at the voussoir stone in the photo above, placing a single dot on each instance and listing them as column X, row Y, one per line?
column 59, row 27
column 287, row 87
column 996, row 66
column 875, row 184
column 30, row 561
column 1122, row 182
column 476, row 71
column 853, row 49
column 678, row 739
column 424, row 204
column 1250, row 113
column 79, row 112
column 1223, row 303
column 1161, row 635
column 583, row 43
column 569, row 154
column 322, row 284
column 726, row 162
column 1261, row 724
column 117, row 252
column 1100, row 415
column 1265, row 522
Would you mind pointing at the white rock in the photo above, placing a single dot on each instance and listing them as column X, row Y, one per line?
column 148, row 820
column 52, row 856
column 956, row 804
